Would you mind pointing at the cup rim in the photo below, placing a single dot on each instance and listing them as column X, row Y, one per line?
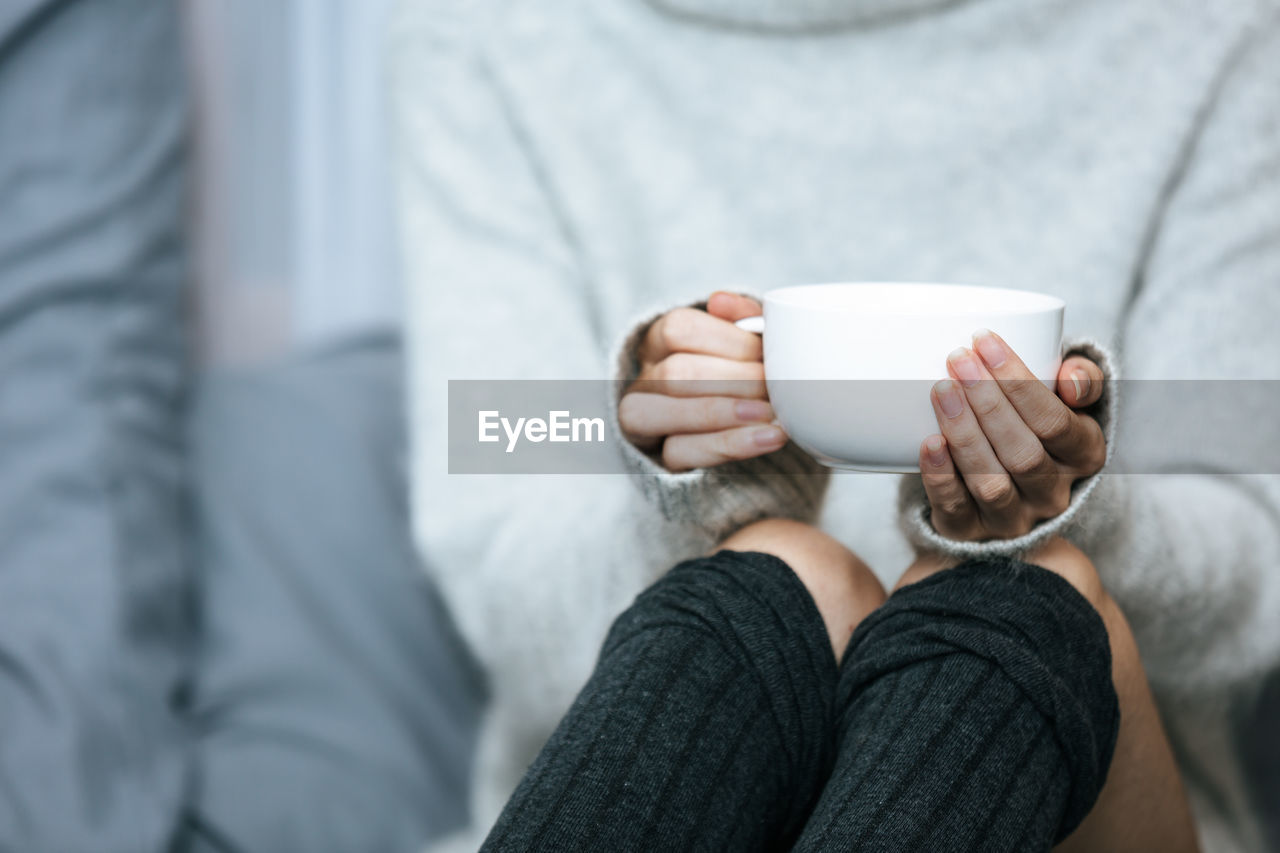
column 1043, row 303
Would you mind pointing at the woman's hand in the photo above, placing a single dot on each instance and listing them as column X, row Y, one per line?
column 1009, row 449
column 700, row 398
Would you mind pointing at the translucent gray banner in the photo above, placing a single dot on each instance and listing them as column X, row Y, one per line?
column 565, row 427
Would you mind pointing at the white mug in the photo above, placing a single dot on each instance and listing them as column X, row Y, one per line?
column 849, row 366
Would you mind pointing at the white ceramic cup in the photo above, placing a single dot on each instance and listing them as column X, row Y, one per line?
column 885, row 344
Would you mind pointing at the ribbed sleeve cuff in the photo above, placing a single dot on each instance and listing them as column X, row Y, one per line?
column 1077, row 523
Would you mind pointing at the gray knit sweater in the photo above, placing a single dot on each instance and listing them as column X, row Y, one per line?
column 570, row 167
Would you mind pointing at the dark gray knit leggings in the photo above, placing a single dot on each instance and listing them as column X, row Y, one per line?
column 972, row 711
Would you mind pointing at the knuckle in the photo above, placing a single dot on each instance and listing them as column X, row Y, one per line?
column 630, row 408
column 685, row 452
column 671, row 457
column 1095, row 451
column 712, row 414
column 1028, row 461
column 1023, row 392
column 675, row 368
column 938, row 484
column 676, row 328
column 952, row 505
column 1056, row 425
column 985, row 404
column 729, row 445
column 995, row 491
column 965, row 439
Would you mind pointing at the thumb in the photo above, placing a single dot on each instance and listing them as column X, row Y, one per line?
column 732, row 306
column 1080, row 382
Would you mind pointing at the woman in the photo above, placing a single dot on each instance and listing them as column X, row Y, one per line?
column 569, row 168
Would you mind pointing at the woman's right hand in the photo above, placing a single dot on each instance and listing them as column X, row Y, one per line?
column 700, row 399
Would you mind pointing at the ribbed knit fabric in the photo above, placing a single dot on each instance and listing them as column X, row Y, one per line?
column 706, row 725
column 977, row 712
column 974, row 712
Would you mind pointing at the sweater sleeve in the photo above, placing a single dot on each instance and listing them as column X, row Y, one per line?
column 1193, row 557
column 533, row 567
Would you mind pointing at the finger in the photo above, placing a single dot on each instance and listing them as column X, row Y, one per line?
column 952, row 509
column 647, row 416
column 1061, row 431
column 1080, row 382
column 990, row 487
column 694, row 375
column 1016, row 446
column 684, row 452
column 732, row 306
column 695, row 331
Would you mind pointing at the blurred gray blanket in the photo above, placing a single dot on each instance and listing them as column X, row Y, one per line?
column 333, row 708
column 291, row 684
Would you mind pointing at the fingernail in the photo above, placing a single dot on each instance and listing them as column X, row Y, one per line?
column 933, row 447
column 989, row 347
column 770, row 436
column 965, row 367
column 949, row 398
column 750, row 411
column 1081, row 381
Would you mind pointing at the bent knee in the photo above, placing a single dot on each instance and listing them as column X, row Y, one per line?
column 842, row 586
column 1074, row 566
column 821, row 561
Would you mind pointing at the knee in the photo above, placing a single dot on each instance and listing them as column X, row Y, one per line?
column 842, row 586
column 1074, row 566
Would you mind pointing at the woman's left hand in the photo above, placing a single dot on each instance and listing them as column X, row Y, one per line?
column 1009, row 449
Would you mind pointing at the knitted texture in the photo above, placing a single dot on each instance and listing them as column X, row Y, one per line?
column 973, row 712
